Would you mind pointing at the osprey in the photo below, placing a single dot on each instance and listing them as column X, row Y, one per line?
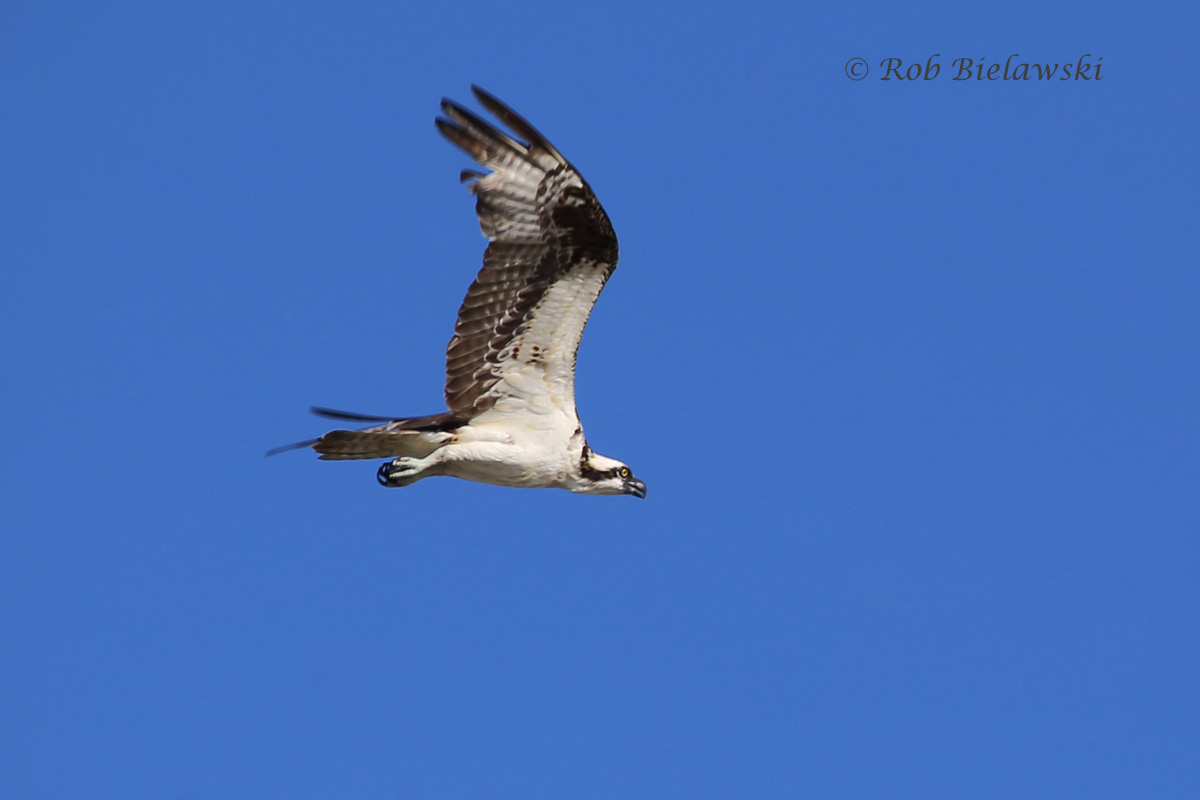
column 510, row 366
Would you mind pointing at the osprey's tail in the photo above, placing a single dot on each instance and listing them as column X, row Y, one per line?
column 378, row 443
column 408, row 436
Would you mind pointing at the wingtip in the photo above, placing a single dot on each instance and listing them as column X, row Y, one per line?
column 448, row 128
column 335, row 413
column 482, row 94
column 274, row 451
column 515, row 122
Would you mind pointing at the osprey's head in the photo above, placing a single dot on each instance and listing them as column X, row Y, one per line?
column 603, row 475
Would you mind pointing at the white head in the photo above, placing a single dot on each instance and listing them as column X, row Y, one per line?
column 603, row 475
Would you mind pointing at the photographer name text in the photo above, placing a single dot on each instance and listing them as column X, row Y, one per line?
column 1085, row 68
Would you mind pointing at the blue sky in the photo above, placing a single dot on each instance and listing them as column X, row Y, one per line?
column 908, row 367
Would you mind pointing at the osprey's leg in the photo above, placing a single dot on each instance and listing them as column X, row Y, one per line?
column 446, row 460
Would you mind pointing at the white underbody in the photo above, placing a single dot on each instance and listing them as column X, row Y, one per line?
column 514, row 449
column 531, row 437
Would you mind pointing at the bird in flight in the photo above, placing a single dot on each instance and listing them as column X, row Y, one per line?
column 510, row 365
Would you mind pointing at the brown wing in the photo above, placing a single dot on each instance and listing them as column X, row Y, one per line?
column 545, row 226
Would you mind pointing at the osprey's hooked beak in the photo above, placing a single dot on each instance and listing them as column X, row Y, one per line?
column 636, row 488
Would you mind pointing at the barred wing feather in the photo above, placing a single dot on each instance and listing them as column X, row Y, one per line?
column 551, row 250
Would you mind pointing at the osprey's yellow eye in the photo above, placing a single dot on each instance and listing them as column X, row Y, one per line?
column 624, row 473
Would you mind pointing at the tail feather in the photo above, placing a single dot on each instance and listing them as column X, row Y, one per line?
column 348, row 445
column 400, row 436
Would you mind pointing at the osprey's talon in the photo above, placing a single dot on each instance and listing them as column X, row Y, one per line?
column 398, row 472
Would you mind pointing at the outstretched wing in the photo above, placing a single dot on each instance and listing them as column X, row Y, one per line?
column 552, row 249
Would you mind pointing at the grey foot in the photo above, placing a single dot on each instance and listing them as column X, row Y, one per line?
column 401, row 471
